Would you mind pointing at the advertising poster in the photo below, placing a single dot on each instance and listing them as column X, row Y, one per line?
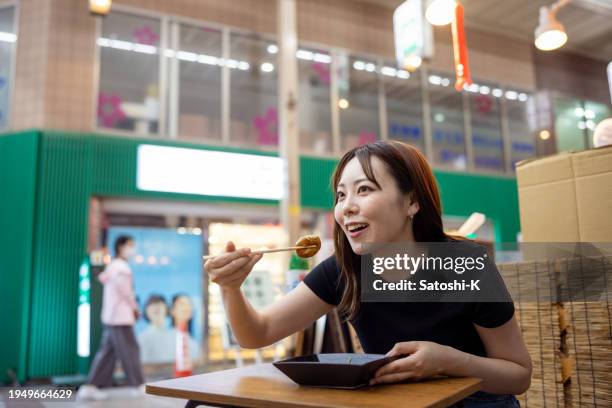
column 168, row 284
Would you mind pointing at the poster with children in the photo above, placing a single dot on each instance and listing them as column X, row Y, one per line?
column 168, row 285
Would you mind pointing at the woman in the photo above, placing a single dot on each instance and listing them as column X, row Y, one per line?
column 385, row 192
column 119, row 313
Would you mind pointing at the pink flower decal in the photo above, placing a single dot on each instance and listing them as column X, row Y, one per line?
column 322, row 71
column 483, row 103
column 267, row 127
column 146, row 35
column 109, row 109
column 366, row 137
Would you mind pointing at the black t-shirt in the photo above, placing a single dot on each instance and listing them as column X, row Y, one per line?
column 380, row 325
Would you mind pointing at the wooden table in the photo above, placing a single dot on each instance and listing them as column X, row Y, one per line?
column 263, row 385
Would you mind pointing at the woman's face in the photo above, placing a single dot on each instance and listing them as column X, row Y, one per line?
column 181, row 310
column 380, row 214
column 156, row 313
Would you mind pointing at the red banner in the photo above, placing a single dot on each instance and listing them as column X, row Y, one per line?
column 462, row 69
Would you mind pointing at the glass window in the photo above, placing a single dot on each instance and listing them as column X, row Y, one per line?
column 521, row 126
column 569, row 124
column 253, row 95
column 486, row 128
column 7, row 50
column 447, row 123
column 593, row 114
column 404, row 106
column 128, row 96
column 199, row 102
column 358, row 101
column 314, row 106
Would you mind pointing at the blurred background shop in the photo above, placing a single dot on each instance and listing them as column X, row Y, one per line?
column 98, row 113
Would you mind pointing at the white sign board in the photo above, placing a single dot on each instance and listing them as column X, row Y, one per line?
column 204, row 172
column 413, row 34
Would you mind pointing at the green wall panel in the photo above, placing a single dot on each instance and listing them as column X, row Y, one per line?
column 60, row 242
column 18, row 162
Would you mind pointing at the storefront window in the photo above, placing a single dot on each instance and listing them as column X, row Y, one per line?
column 404, row 106
column 593, row 114
column 447, row 123
column 570, row 124
column 358, row 102
column 128, row 97
column 8, row 38
column 253, row 95
column 199, row 103
column 314, row 109
column 521, row 127
column 486, row 128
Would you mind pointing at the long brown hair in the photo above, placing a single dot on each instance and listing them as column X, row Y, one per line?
column 412, row 173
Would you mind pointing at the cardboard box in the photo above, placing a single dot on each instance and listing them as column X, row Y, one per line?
column 567, row 197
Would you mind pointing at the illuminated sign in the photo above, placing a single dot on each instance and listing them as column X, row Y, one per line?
column 413, row 35
column 205, row 172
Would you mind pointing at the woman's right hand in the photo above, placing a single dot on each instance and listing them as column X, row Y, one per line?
column 231, row 268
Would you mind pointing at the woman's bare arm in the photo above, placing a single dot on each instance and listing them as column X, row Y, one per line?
column 507, row 367
column 255, row 329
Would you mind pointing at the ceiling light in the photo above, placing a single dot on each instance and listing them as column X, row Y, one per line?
column 440, row 12
column 100, row 7
column 267, row 67
column 272, row 49
column 544, row 134
column 412, row 62
column 550, row 33
column 343, row 103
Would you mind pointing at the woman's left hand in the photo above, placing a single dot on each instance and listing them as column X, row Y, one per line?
column 423, row 359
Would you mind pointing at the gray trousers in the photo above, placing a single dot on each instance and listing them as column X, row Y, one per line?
column 118, row 342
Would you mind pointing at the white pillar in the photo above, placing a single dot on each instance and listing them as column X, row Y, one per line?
column 288, row 117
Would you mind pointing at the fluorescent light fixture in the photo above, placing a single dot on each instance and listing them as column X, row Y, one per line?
column 187, row 56
column 322, row 58
column 170, row 53
column 435, row 80
column 511, row 95
column 304, row 55
column 522, row 97
column 403, row 74
column 359, row 65
column 550, row 33
column 440, row 12
column 485, row 90
column 498, row 93
column 211, row 173
column 445, row 82
column 388, row 71
column 370, row 67
column 8, row 37
column 267, row 67
column 272, row 49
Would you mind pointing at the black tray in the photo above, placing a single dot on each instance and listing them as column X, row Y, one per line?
column 334, row 370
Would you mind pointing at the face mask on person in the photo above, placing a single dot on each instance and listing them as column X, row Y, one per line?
column 129, row 252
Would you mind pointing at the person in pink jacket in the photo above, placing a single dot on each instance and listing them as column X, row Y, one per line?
column 119, row 313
